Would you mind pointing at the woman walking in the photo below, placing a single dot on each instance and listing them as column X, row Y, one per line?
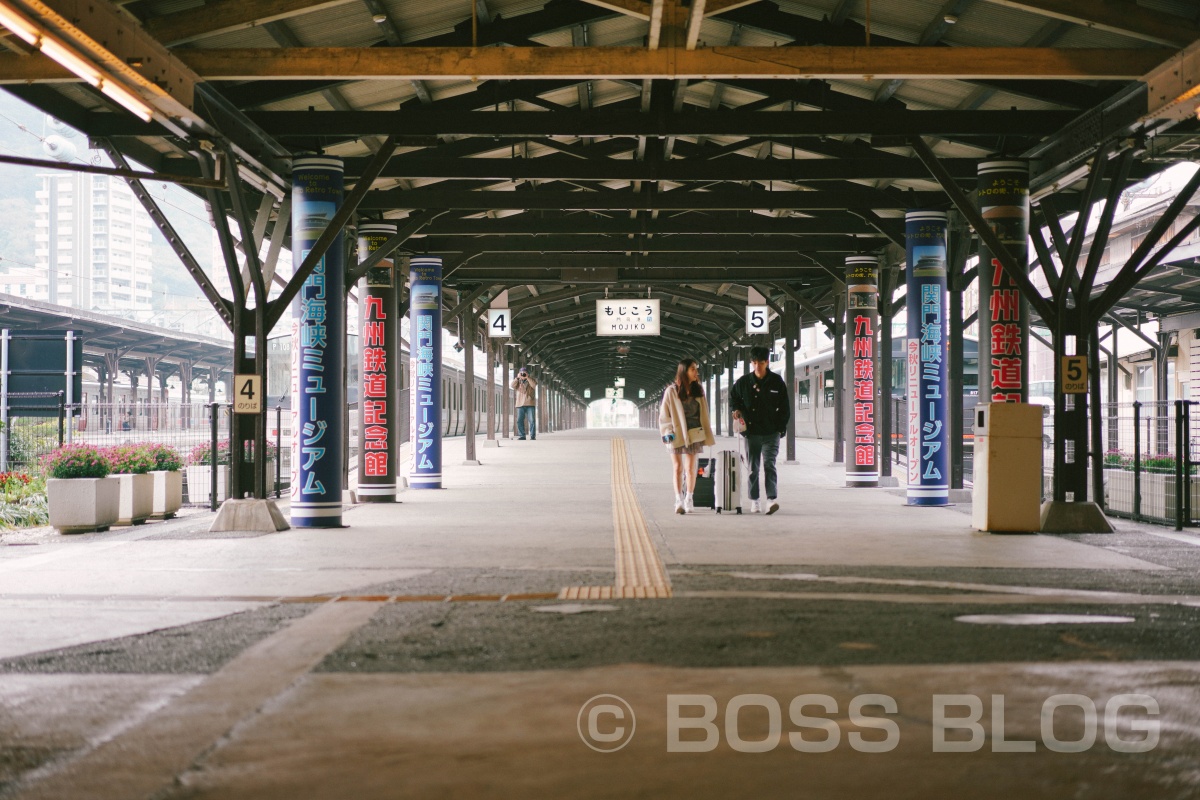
column 683, row 422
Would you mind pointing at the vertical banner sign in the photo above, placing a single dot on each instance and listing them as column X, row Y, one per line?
column 318, row 336
column 378, row 438
column 1004, row 314
column 928, row 436
column 862, row 320
column 425, row 365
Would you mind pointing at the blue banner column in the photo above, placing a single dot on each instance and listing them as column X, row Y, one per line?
column 318, row 337
column 379, row 332
column 862, row 323
column 1003, row 192
column 425, row 337
column 927, row 361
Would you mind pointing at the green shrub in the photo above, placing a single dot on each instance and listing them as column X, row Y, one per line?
column 165, row 457
column 130, row 459
column 27, row 512
column 77, row 461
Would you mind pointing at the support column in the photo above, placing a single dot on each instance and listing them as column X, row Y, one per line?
column 319, row 331
column 862, row 321
column 790, row 331
column 425, row 333
column 926, row 357
column 729, row 406
column 956, row 280
column 717, row 398
column 467, row 325
column 379, row 406
column 505, row 393
column 1003, row 313
column 839, row 359
column 491, row 394
column 883, row 377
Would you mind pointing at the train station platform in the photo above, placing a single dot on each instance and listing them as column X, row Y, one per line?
column 545, row 625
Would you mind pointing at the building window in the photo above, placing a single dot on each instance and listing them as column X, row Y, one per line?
column 1145, row 384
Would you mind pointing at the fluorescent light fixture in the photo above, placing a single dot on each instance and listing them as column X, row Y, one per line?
column 37, row 36
column 71, row 61
column 16, row 23
column 130, row 101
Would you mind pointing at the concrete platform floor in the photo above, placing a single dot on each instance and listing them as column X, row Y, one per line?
column 848, row 646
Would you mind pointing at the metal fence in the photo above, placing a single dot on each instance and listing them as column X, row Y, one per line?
column 900, row 437
column 1150, row 462
column 190, row 428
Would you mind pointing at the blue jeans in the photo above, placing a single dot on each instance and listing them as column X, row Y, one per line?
column 766, row 447
column 527, row 420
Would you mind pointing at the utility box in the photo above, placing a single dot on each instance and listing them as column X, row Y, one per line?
column 1007, row 497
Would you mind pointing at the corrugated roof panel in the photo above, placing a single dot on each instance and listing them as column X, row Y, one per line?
column 246, row 37
column 346, row 25
column 990, row 25
column 920, row 95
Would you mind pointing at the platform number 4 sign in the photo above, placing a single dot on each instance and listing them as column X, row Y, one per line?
column 757, row 319
column 247, row 394
column 499, row 323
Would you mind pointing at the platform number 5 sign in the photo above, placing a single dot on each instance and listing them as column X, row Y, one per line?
column 499, row 322
column 757, row 320
column 247, row 394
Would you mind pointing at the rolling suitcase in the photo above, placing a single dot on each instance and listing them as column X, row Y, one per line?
column 727, row 486
column 703, row 496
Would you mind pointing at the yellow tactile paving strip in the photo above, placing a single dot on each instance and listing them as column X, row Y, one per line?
column 640, row 571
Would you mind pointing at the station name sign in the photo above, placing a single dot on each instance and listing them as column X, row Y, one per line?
column 631, row 317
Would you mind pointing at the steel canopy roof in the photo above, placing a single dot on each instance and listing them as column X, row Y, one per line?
column 690, row 150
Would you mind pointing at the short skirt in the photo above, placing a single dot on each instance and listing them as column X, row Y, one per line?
column 689, row 449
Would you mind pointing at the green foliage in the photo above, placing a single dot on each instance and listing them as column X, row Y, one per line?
column 22, row 500
column 77, row 461
column 202, row 454
column 165, row 457
column 130, row 459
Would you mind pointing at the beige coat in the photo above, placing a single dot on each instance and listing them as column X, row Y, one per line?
column 525, row 395
column 671, row 418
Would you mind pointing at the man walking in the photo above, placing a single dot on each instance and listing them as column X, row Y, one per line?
column 526, row 404
column 760, row 399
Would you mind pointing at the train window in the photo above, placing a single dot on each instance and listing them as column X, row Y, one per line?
column 803, row 390
column 970, row 372
column 828, row 389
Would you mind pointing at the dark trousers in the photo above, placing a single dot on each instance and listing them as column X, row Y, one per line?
column 765, row 447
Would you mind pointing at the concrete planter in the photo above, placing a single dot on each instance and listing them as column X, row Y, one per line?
column 137, row 498
column 1158, row 492
column 199, row 481
column 168, row 493
column 80, row 505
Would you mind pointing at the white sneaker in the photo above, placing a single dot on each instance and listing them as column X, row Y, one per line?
column 688, row 506
column 772, row 506
column 679, row 504
column 755, row 508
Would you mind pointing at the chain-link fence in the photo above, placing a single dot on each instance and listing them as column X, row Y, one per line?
column 38, row 425
column 1150, row 462
column 900, row 436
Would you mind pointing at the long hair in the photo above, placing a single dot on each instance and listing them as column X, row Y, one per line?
column 684, row 387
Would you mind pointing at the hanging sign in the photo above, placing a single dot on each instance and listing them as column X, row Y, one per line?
column 499, row 324
column 758, row 319
column 630, row 317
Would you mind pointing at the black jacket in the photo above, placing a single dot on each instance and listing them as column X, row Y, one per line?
column 764, row 404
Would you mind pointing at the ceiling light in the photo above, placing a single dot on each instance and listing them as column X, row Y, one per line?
column 949, row 19
column 379, row 19
column 16, row 23
column 130, row 101
column 71, row 61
